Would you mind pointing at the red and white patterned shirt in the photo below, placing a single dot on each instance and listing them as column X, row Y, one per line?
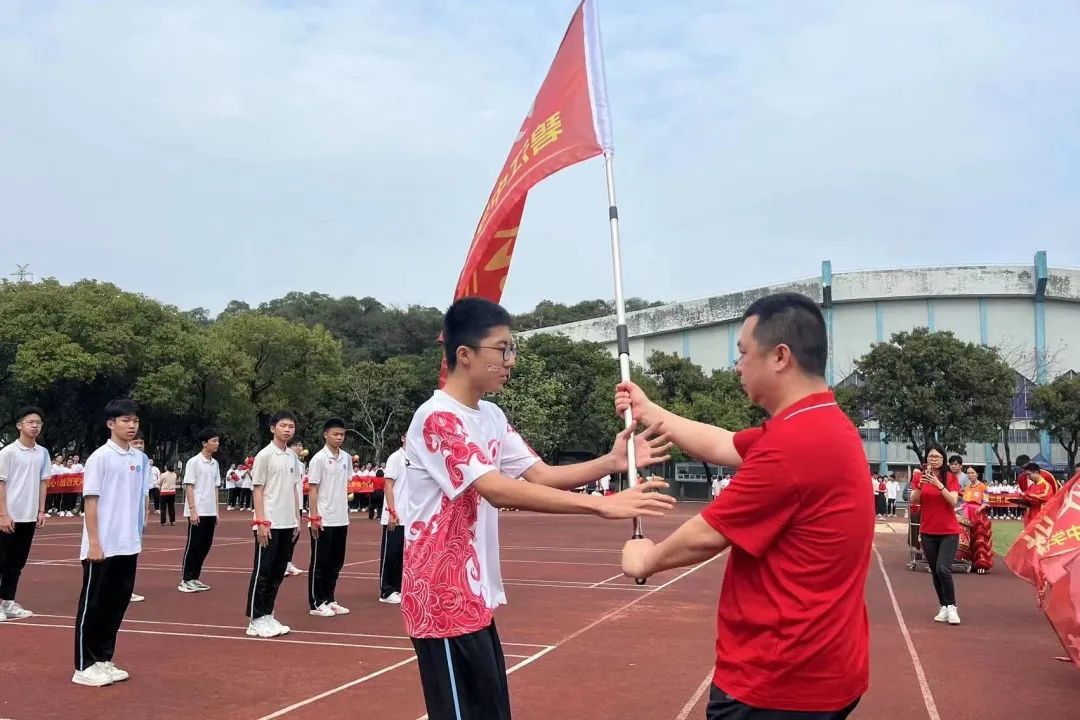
column 451, row 580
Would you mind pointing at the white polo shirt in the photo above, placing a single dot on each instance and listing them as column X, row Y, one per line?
column 275, row 470
column 332, row 475
column 22, row 470
column 204, row 474
column 395, row 467
column 119, row 479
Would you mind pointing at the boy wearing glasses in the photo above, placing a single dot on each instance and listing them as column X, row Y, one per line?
column 464, row 461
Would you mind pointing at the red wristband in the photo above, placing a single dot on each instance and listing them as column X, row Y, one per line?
column 256, row 523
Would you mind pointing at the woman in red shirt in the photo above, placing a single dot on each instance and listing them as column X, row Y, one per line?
column 937, row 493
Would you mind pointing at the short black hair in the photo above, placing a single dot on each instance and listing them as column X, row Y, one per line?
column 206, row 435
column 282, row 415
column 121, row 407
column 796, row 321
column 956, row 459
column 333, row 423
column 1022, row 460
column 22, row 412
column 379, row 473
column 1032, row 467
column 467, row 322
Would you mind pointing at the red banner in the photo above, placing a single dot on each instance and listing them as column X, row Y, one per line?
column 1047, row 554
column 357, row 484
column 566, row 124
column 65, row 483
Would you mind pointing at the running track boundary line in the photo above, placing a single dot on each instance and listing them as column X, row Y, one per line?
column 693, row 701
column 339, row 688
column 928, row 697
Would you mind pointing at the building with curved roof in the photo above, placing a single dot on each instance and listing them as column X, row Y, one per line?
column 1030, row 312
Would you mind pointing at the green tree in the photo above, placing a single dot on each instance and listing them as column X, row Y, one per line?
column 537, row 404
column 928, row 386
column 1056, row 407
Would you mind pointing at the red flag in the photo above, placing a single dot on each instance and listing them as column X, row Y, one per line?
column 1047, row 554
column 567, row 123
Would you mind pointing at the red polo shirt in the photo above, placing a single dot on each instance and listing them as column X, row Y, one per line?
column 792, row 628
column 938, row 516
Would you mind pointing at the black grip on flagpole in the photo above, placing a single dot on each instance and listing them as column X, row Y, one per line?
column 638, row 536
column 613, row 212
column 622, row 339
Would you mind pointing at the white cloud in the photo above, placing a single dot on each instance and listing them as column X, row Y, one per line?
column 200, row 151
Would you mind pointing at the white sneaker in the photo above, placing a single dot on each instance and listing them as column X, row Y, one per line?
column 14, row 611
column 199, row 585
column 276, row 626
column 93, row 676
column 3, row 617
column 323, row 610
column 392, row 598
column 137, row 598
column 259, row 627
column 942, row 615
column 230, row 508
column 339, row 609
column 187, row 587
column 291, row 569
column 953, row 615
column 114, row 673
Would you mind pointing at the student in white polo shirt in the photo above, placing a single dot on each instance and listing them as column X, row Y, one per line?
column 201, row 478
column 115, row 482
column 276, row 525
column 328, row 519
column 298, row 452
column 393, row 535
column 24, row 472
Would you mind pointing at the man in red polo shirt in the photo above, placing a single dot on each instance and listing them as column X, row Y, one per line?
column 792, row 630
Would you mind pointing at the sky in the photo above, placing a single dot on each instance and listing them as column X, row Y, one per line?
column 200, row 151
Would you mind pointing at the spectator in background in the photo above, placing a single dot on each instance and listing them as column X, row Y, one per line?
column 167, row 496
column 879, row 494
column 375, row 504
column 956, row 469
column 892, row 491
column 937, row 493
column 155, row 492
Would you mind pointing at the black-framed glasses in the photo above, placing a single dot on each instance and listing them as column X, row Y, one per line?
column 508, row 351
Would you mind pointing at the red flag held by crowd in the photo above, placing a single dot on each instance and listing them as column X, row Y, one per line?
column 1047, row 554
column 567, row 123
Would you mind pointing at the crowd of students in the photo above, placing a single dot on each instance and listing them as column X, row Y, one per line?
column 120, row 484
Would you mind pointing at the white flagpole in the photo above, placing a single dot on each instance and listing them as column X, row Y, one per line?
column 622, row 338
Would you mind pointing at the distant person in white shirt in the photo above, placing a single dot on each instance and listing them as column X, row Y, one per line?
column 114, row 488
column 201, row 478
column 276, row 525
column 24, row 474
column 393, row 535
column 328, row 519
column 892, row 491
column 716, row 485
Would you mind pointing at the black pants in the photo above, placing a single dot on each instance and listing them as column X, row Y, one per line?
column 724, row 707
column 234, row 497
column 327, row 557
column 940, row 551
column 168, row 506
column 155, row 497
column 879, row 503
column 106, row 592
column 390, row 558
column 199, row 539
column 245, row 498
column 375, row 501
column 891, row 507
column 14, row 550
column 464, row 678
column 268, row 572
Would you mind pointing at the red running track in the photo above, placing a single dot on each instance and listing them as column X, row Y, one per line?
column 581, row 641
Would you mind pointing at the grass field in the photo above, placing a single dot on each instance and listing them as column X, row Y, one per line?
column 1005, row 533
